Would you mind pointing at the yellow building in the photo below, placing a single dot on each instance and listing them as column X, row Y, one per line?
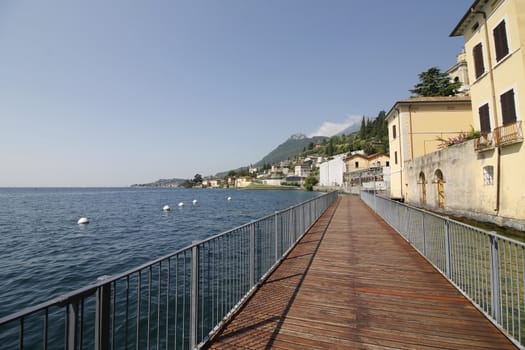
column 415, row 127
column 369, row 172
column 357, row 161
column 494, row 33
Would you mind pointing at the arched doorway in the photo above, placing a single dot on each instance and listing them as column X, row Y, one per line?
column 438, row 175
column 423, row 189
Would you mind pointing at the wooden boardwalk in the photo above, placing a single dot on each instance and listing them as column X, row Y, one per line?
column 353, row 283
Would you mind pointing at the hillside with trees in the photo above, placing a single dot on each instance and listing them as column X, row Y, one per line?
column 372, row 137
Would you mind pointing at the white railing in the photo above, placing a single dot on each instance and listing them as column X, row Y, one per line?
column 174, row 302
column 486, row 267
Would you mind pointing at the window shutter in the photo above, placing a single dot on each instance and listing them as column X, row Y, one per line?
column 484, row 118
column 479, row 67
column 508, row 108
column 500, row 41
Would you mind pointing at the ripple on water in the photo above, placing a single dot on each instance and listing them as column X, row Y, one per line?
column 45, row 253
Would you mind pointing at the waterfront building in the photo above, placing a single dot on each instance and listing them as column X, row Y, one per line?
column 416, row 127
column 243, row 181
column 481, row 178
column 368, row 172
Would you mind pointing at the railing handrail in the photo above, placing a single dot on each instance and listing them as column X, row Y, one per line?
column 422, row 210
column 78, row 294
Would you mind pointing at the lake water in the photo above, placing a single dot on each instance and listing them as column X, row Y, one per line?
column 45, row 253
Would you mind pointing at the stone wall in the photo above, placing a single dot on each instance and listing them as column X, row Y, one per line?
column 469, row 184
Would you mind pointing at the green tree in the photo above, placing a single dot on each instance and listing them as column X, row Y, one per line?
column 197, row 179
column 362, row 130
column 330, row 148
column 310, row 182
column 433, row 82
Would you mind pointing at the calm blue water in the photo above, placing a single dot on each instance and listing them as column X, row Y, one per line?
column 45, row 253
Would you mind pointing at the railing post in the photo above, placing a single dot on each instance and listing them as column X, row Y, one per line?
column 424, row 235
column 102, row 317
column 407, row 226
column 448, row 266
column 252, row 254
column 276, row 236
column 72, row 327
column 194, row 295
column 495, row 278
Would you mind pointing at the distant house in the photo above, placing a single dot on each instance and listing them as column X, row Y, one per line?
column 212, row 183
column 302, row 170
column 242, row 182
column 367, row 172
column 331, row 172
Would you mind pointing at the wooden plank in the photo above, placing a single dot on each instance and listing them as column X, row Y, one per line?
column 354, row 283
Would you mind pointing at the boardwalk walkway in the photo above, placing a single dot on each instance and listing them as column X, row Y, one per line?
column 354, row 283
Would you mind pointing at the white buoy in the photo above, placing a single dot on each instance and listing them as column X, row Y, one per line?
column 166, row 208
column 194, row 201
column 83, row 221
column 229, row 198
column 181, row 204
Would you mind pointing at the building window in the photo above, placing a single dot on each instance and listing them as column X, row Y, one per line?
column 500, row 41
column 393, row 131
column 479, row 66
column 508, row 107
column 484, row 118
column 488, row 175
column 387, row 163
column 357, row 164
column 395, row 157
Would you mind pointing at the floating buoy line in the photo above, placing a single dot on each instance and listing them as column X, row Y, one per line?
column 85, row 221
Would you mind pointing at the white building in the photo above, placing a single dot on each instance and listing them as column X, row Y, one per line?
column 302, row 170
column 331, row 172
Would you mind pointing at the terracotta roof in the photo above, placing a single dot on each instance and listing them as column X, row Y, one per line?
column 372, row 156
column 433, row 99
column 429, row 100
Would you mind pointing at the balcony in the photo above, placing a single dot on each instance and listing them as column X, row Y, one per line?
column 508, row 134
column 484, row 142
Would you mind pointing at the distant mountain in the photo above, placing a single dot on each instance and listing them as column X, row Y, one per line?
column 162, row 183
column 290, row 148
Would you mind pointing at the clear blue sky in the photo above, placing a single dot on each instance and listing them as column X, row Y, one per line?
column 111, row 93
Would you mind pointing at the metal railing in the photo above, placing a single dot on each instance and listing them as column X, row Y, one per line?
column 174, row 302
column 487, row 268
column 508, row 134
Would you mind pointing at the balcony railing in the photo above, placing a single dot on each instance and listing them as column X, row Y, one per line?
column 508, row 134
column 484, row 142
